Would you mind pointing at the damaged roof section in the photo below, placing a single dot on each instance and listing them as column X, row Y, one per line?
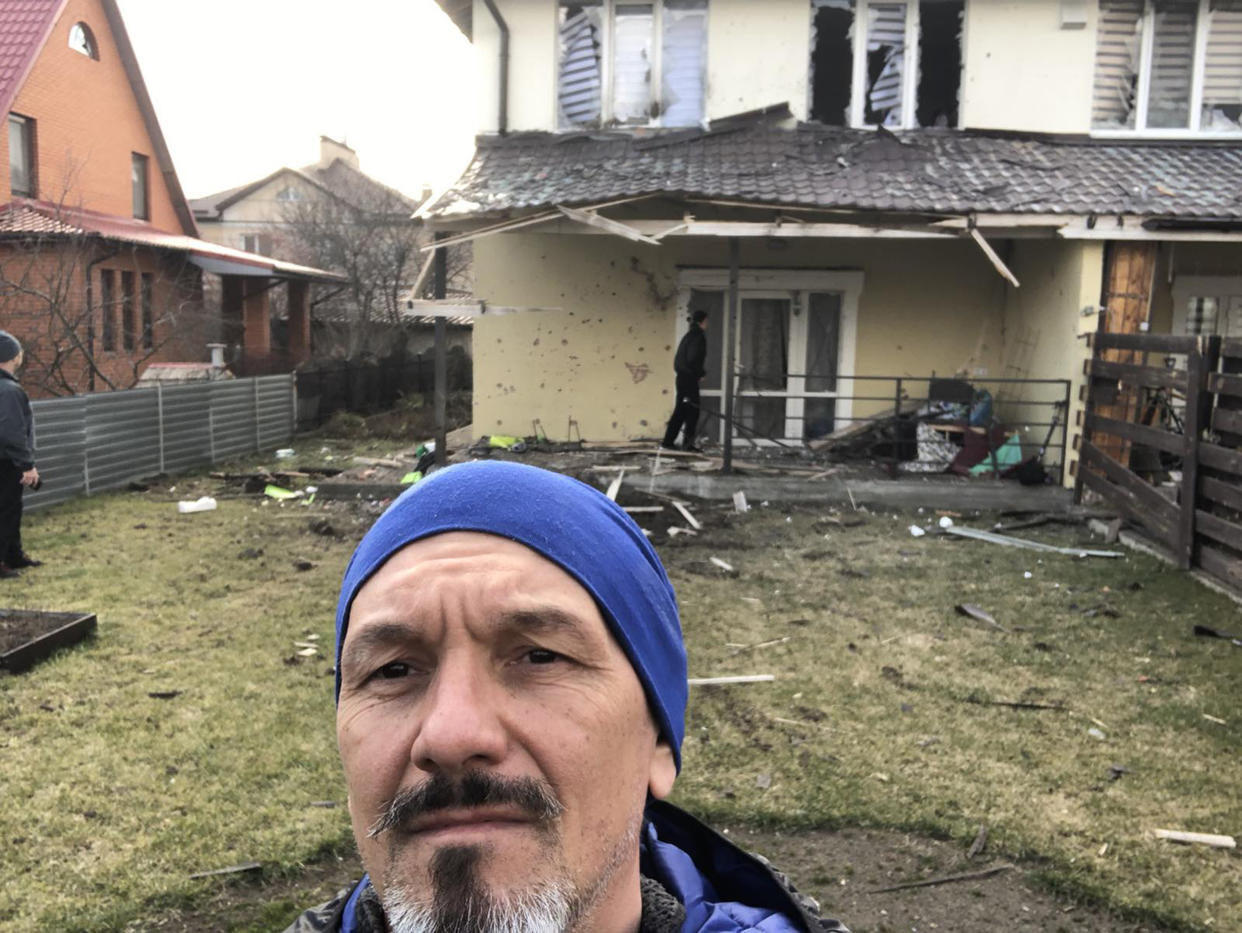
column 918, row 171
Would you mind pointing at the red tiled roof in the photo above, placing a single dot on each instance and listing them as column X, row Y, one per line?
column 24, row 25
column 27, row 217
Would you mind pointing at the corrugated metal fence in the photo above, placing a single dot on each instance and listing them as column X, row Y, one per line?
column 90, row 443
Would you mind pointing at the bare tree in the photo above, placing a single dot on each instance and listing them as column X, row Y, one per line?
column 50, row 296
column 366, row 232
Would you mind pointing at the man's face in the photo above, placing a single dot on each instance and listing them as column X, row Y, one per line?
column 482, row 691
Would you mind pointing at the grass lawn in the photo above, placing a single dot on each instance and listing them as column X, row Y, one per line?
column 882, row 714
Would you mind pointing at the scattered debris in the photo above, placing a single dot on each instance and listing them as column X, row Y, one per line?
column 675, row 530
column 204, row 504
column 1204, row 631
column 303, row 564
column 1215, row 719
column 380, row 462
column 690, row 519
column 231, row 870
column 763, row 781
column 1116, row 771
column 284, row 453
column 411, row 478
column 916, row 531
column 321, row 526
column 250, row 553
column 308, row 652
column 615, row 486
column 1097, row 734
column 163, row 694
column 740, row 505
column 636, row 509
column 762, row 644
column 1007, row 541
column 945, row 879
column 1013, row 704
column 981, row 841
column 326, row 804
column 739, row 679
column 945, row 522
column 979, row 615
column 1110, row 531
column 723, row 565
column 279, row 493
column 1203, row 839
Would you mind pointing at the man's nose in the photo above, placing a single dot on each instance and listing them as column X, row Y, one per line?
column 460, row 720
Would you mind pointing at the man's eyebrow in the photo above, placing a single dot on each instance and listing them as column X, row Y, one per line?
column 375, row 637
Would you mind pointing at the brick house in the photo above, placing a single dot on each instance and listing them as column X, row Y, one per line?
column 101, row 267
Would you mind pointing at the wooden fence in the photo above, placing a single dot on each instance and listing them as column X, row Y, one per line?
column 1143, row 422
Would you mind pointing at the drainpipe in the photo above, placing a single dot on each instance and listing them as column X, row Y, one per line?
column 502, row 119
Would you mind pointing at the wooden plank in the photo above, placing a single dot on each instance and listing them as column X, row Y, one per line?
column 1130, row 374
column 1147, row 343
column 1221, row 564
column 1225, row 384
column 1227, row 494
column 1148, row 502
column 1141, row 433
column 1125, row 503
column 1231, row 347
column 1225, row 459
column 1196, row 380
column 1216, row 528
column 1225, row 420
column 997, row 263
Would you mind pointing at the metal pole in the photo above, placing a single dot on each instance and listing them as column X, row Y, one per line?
column 897, row 428
column 159, row 410
column 731, row 315
column 1065, row 417
column 258, row 438
column 441, row 290
column 293, row 417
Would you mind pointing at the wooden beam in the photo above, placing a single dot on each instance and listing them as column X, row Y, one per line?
column 1227, row 494
column 1140, row 433
column 1149, row 343
column 591, row 219
column 996, row 261
column 1131, row 374
column 424, row 308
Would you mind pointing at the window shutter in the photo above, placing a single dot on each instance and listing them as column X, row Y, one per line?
column 886, row 35
column 1117, row 63
column 1222, row 67
column 631, row 62
column 579, row 88
column 684, row 61
column 1172, row 64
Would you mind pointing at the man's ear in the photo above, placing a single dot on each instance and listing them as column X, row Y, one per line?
column 663, row 770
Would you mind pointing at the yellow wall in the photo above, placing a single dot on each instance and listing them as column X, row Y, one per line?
column 925, row 306
column 1044, row 328
column 1022, row 71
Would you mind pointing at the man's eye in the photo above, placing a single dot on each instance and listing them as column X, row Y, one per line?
column 393, row 671
column 542, row 656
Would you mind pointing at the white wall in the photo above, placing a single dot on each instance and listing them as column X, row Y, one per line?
column 532, row 64
column 758, row 54
column 1023, row 71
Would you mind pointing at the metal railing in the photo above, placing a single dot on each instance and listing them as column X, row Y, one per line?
column 90, row 443
column 894, row 406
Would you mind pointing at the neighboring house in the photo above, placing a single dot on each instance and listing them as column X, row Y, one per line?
column 101, row 270
column 881, row 168
column 332, row 214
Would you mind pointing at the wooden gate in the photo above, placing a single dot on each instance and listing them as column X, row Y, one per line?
column 1185, row 414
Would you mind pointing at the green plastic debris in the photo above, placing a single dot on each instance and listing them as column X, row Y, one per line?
column 411, row 478
column 503, row 441
column 1007, row 454
column 276, row 492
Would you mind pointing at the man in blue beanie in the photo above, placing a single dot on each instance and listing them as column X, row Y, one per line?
column 511, row 695
column 17, row 468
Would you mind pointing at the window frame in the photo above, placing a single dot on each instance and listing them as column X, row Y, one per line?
column 146, row 293
column 29, row 136
column 107, row 305
column 1142, row 91
column 606, row 70
column 129, row 321
column 136, row 159
column 910, row 72
column 88, row 34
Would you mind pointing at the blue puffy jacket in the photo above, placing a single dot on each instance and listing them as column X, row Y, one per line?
column 722, row 888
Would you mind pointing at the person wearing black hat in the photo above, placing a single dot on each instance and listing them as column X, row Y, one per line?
column 17, row 468
column 690, row 364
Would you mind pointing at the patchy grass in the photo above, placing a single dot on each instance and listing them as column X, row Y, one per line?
column 879, row 717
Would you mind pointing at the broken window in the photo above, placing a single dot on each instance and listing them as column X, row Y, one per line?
column 1169, row 65
column 903, row 71
column 632, row 63
column 832, row 61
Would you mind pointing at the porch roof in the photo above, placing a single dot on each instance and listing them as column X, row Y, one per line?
column 928, row 172
column 23, row 218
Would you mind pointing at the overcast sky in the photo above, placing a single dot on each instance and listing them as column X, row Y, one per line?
column 242, row 87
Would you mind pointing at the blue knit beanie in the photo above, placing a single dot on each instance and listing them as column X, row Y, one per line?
column 573, row 525
column 9, row 346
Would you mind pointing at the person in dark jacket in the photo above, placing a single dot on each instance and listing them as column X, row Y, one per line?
column 511, row 694
column 690, row 365
column 17, row 468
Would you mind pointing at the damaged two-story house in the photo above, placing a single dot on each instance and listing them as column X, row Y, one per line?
column 901, row 188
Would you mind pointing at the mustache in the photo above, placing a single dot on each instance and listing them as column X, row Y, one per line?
column 474, row 789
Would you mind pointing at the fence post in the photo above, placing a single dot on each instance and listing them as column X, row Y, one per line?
column 1093, row 344
column 258, row 436
column 1065, row 418
column 293, row 415
column 896, row 427
column 731, row 322
column 159, row 414
column 1199, row 363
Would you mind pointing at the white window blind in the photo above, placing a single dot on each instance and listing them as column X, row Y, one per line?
column 1172, row 64
column 886, row 59
column 1119, row 42
column 580, row 85
column 1222, row 68
column 684, row 61
column 632, row 62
